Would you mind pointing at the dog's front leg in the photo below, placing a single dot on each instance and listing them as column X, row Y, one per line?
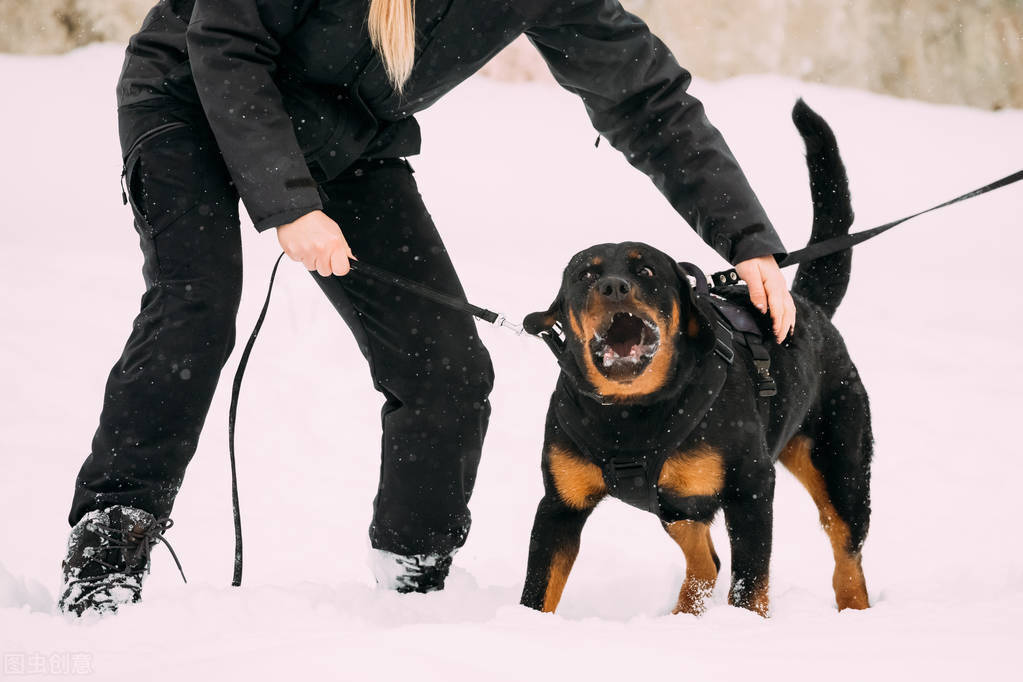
column 553, row 546
column 748, row 516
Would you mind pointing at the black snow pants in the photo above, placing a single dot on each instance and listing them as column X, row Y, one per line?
column 427, row 361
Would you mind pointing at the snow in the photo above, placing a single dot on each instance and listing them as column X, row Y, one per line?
column 515, row 185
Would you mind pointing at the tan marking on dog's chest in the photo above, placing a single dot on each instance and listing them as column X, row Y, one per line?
column 580, row 483
column 699, row 471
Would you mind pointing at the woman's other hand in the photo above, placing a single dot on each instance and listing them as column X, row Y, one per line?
column 768, row 291
column 316, row 241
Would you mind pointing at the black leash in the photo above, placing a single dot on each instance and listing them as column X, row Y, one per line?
column 830, row 246
column 552, row 338
column 368, row 271
column 231, row 419
column 453, row 302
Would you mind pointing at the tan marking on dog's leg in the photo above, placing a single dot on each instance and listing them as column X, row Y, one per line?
column 701, row 573
column 695, row 472
column 848, row 582
column 761, row 603
column 561, row 566
column 580, row 483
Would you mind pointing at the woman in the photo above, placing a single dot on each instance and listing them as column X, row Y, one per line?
column 303, row 109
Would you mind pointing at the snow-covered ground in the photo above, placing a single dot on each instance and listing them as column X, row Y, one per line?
column 514, row 183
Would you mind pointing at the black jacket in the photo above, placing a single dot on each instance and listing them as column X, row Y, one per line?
column 294, row 92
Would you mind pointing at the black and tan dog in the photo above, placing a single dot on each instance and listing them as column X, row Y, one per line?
column 661, row 402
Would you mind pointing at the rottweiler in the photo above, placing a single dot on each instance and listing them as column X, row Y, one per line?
column 666, row 403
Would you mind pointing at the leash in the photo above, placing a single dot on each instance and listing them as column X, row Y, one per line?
column 836, row 244
column 363, row 269
column 453, row 302
column 236, row 580
column 553, row 338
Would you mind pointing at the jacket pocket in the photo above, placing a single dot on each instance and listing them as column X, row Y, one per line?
column 356, row 127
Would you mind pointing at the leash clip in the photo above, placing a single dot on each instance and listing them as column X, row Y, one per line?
column 503, row 321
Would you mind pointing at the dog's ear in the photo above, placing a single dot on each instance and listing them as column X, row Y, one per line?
column 695, row 326
column 544, row 320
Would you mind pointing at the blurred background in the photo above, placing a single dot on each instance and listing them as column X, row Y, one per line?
column 946, row 51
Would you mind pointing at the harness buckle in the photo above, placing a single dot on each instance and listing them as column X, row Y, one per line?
column 722, row 347
column 765, row 382
column 628, row 467
column 553, row 339
column 630, row 479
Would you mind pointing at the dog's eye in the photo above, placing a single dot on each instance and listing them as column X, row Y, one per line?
column 646, row 271
column 587, row 276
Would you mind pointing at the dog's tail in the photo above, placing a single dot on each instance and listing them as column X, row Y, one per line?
column 824, row 280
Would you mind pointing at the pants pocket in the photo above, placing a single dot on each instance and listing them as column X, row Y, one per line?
column 130, row 189
column 165, row 177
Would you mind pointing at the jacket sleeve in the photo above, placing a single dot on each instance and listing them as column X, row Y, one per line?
column 636, row 96
column 233, row 46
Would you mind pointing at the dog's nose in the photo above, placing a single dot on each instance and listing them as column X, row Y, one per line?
column 615, row 288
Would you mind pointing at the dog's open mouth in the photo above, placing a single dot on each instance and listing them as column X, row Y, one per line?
column 623, row 346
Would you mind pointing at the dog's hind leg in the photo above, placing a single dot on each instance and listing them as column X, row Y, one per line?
column 702, row 564
column 835, row 470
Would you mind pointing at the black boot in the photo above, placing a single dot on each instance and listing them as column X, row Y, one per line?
column 108, row 558
column 410, row 573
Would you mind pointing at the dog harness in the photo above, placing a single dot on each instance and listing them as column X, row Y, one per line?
column 631, row 467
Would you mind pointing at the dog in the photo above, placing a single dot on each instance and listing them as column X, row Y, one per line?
column 665, row 401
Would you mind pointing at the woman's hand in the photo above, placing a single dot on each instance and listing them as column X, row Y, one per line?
column 316, row 241
column 768, row 291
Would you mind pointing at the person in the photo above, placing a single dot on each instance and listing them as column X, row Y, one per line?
column 304, row 109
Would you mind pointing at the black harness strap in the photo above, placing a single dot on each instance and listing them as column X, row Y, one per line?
column 747, row 332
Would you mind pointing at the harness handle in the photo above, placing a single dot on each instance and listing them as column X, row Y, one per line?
column 702, row 288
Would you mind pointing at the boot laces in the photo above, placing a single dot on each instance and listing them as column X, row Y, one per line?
column 423, row 566
column 138, row 541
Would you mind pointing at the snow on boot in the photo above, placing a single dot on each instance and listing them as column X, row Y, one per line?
column 410, row 573
column 108, row 558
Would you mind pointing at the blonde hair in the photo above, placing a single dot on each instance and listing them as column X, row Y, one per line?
column 392, row 29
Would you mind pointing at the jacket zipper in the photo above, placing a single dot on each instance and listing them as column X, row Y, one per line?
column 148, row 135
